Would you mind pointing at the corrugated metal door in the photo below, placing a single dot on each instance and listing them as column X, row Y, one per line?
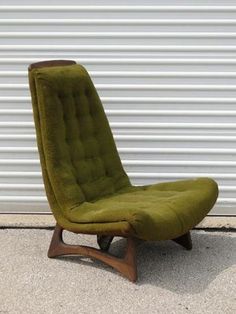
column 166, row 76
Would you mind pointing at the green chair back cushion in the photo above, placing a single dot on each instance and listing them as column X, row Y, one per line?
column 82, row 161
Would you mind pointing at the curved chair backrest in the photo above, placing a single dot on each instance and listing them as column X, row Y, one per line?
column 78, row 155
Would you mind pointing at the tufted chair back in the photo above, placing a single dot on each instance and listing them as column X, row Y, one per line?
column 78, row 155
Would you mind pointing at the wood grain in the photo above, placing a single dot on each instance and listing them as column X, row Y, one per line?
column 126, row 265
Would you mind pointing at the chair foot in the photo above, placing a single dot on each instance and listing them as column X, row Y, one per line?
column 104, row 242
column 185, row 241
column 126, row 265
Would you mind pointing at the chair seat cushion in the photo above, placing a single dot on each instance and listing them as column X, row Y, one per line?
column 154, row 212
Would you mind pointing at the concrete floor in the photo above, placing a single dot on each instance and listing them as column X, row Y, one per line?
column 171, row 280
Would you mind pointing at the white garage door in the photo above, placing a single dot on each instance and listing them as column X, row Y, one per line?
column 166, row 73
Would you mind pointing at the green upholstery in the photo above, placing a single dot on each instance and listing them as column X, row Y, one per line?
column 86, row 185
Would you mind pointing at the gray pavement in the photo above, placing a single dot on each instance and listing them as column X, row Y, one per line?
column 171, row 280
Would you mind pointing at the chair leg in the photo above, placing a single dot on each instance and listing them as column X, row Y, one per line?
column 104, row 242
column 185, row 240
column 126, row 265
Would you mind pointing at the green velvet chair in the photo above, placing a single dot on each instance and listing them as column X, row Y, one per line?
column 86, row 185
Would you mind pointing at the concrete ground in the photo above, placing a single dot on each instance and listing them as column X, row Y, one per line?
column 171, row 279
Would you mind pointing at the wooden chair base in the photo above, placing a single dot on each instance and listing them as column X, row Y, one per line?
column 185, row 241
column 126, row 266
column 104, row 242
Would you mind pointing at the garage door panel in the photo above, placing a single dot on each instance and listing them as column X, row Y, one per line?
column 166, row 75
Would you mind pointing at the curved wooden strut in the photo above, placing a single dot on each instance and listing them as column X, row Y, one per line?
column 104, row 242
column 185, row 241
column 126, row 265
